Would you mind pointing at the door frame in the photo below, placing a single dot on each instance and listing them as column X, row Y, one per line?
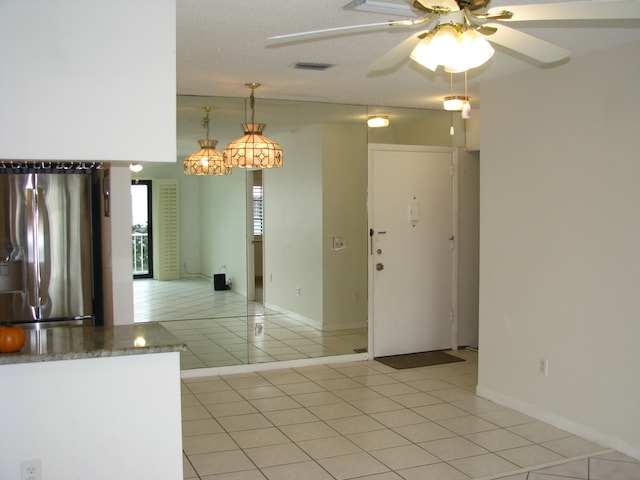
column 251, row 241
column 454, row 243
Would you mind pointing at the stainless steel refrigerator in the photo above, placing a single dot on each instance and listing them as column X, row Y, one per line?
column 46, row 261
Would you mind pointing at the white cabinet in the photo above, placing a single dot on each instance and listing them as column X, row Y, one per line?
column 88, row 80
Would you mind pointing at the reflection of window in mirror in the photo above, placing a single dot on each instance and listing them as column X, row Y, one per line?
column 258, row 232
column 257, row 210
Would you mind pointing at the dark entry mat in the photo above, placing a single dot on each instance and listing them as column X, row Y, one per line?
column 421, row 359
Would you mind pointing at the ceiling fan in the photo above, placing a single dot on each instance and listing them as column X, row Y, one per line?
column 474, row 16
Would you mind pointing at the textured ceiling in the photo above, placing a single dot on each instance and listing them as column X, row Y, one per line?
column 221, row 45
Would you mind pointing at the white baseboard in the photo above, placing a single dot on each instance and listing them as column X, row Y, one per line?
column 300, row 318
column 558, row 421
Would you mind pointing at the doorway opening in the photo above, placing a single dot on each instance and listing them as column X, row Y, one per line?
column 141, row 229
column 257, row 237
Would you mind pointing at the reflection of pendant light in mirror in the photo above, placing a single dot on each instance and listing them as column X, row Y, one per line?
column 253, row 150
column 207, row 160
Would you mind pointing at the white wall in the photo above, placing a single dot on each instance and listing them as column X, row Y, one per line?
column 103, row 418
column 223, row 235
column 121, row 255
column 468, row 202
column 88, row 80
column 212, row 221
column 293, row 226
column 560, row 231
column 344, row 204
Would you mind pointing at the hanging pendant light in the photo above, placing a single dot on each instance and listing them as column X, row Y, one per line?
column 207, row 160
column 253, row 150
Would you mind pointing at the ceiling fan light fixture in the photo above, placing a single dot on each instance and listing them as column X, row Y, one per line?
column 474, row 49
column 457, row 48
column 378, row 121
column 424, row 54
column 207, row 160
column 445, row 44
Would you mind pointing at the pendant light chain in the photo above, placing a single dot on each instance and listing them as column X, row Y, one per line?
column 252, row 104
column 253, row 149
column 205, row 121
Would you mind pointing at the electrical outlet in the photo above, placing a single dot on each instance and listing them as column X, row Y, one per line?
column 298, row 291
column 31, row 470
column 543, row 366
column 338, row 243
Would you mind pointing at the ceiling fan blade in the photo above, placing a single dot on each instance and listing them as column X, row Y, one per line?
column 397, row 54
column 528, row 45
column 452, row 5
column 327, row 32
column 583, row 10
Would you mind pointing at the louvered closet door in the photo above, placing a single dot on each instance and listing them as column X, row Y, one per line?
column 167, row 230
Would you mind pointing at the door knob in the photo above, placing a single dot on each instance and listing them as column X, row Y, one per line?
column 379, row 266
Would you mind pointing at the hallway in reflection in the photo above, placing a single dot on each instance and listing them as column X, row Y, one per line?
column 220, row 328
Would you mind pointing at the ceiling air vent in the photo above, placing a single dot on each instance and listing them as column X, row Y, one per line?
column 312, row 66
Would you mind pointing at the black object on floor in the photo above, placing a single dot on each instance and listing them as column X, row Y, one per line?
column 220, row 282
column 421, row 359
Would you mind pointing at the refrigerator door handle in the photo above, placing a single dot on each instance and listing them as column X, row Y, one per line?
column 33, row 245
column 42, row 249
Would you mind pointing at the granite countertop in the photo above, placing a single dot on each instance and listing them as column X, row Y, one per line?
column 78, row 342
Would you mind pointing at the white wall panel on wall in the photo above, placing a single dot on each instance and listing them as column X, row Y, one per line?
column 88, row 80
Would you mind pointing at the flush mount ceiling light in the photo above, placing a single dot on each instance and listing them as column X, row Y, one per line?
column 378, row 121
column 454, row 103
column 135, row 167
column 455, row 46
column 253, row 150
column 207, row 160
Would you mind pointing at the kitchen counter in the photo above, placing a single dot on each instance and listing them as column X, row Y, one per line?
column 82, row 342
column 81, row 397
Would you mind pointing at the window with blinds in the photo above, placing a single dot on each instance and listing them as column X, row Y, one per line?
column 257, row 210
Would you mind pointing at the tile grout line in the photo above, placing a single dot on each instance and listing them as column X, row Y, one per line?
column 547, row 465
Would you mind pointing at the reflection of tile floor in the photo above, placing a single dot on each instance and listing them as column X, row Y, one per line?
column 368, row 421
column 221, row 328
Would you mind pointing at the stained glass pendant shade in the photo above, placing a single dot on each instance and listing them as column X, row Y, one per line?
column 207, row 160
column 253, row 150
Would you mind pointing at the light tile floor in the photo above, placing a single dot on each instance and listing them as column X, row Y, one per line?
column 220, row 328
column 368, row 421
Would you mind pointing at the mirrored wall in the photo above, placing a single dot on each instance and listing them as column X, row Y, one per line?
column 273, row 263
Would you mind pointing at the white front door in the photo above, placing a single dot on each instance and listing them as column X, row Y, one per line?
column 411, row 248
